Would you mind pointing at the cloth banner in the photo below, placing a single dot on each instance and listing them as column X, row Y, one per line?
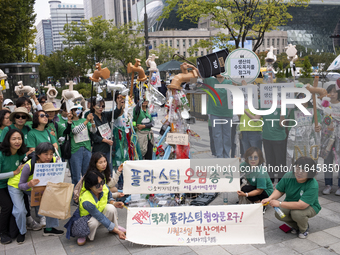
column 49, row 172
column 196, row 225
column 181, row 176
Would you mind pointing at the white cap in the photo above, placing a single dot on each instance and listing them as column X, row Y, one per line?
column 7, row 101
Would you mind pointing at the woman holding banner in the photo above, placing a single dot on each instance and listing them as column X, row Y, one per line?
column 96, row 206
column 23, row 182
column 12, row 152
column 301, row 201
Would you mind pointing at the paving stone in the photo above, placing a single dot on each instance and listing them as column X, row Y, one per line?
column 273, row 237
column 324, row 201
column 334, row 206
column 335, row 247
column 278, row 249
column 334, row 231
column 21, row 249
column 133, row 247
column 238, row 248
column 322, row 238
column 255, row 252
column 300, row 245
column 53, row 245
column 212, row 250
column 173, row 250
column 37, row 236
column 2, row 252
column 319, row 251
column 318, row 224
column 117, row 249
column 14, row 244
column 325, row 211
column 335, row 217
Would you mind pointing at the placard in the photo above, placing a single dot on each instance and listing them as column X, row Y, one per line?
column 105, row 131
column 335, row 111
column 196, row 225
column 304, row 120
column 82, row 136
column 181, row 176
column 177, row 138
column 49, row 172
column 266, row 94
column 254, row 95
column 36, row 195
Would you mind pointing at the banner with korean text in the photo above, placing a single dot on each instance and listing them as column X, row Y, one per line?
column 199, row 225
column 181, row 176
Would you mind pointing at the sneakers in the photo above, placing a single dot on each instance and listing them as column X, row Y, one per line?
column 337, row 193
column 5, row 239
column 293, row 231
column 327, row 190
column 21, row 239
column 305, row 234
column 53, row 232
column 43, row 221
column 81, row 241
column 32, row 224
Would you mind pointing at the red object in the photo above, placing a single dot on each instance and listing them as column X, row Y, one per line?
column 285, row 228
column 182, row 151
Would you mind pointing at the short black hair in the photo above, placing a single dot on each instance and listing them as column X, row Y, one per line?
column 116, row 95
column 3, row 114
column 42, row 97
column 63, row 107
column 250, row 152
column 91, row 179
column 308, row 164
column 331, row 87
column 21, row 101
column 94, row 102
column 36, row 118
column 80, row 115
column 44, row 147
column 5, row 146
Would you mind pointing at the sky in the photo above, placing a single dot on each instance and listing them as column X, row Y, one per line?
column 42, row 8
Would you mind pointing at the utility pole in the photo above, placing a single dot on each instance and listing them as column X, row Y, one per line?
column 146, row 33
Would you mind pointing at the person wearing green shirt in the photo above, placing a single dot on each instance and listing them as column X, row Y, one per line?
column 40, row 133
column 274, row 141
column 23, row 101
column 19, row 118
column 259, row 185
column 63, row 115
column 301, row 201
column 80, row 142
column 4, row 119
column 221, row 133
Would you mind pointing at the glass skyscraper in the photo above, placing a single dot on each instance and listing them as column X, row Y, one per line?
column 44, row 40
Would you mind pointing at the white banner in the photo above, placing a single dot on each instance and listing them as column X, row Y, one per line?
column 266, row 94
column 181, row 176
column 49, row 172
column 244, row 89
column 196, row 225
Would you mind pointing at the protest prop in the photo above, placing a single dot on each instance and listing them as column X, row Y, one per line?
column 36, row 195
column 181, row 176
column 49, row 172
column 213, row 225
column 266, row 94
column 56, row 200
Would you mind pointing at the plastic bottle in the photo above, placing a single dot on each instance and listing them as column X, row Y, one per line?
column 225, row 198
column 279, row 212
column 153, row 80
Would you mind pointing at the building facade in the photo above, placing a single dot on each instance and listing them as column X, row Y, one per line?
column 61, row 14
column 277, row 39
column 44, row 40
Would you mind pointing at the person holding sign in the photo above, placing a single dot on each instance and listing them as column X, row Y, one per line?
column 102, row 140
column 259, row 185
column 301, row 201
column 12, row 152
column 80, row 141
column 23, row 182
column 39, row 133
column 97, row 204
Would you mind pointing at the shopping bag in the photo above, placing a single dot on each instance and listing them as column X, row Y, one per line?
column 56, row 200
column 36, row 195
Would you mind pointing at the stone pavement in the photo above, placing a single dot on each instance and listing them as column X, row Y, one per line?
column 324, row 237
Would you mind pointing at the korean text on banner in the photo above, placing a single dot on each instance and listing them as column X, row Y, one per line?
column 244, row 89
column 49, row 172
column 266, row 94
column 181, row 176
column 199, row 225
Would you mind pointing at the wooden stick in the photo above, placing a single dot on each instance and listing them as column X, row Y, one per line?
column 315, row 85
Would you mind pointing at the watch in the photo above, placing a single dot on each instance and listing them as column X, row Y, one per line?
column 280, row 204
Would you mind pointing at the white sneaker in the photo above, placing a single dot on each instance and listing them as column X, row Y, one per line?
column 43, row 221
column 32, row 224
column 327, row 190
column 303, row 235
column 337, row 192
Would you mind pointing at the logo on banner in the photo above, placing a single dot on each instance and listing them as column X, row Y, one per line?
column 209, row 93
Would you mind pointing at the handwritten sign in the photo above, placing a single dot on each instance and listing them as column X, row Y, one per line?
column 303, row 120
column 105, row 131
column 254, row 95
column 181, row 176
column 177, row 138
column 266, row 94
column 335, row 111
column 83, row 136
column 49, row 172
column 199, row 225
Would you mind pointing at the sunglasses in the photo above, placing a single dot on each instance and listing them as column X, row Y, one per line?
column 253, row 158
column 103, row 106
column 20, row 116
column 43, row 115
column 100, row 184
column 42, row 102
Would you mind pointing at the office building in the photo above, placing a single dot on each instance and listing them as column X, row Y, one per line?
column 44, row 40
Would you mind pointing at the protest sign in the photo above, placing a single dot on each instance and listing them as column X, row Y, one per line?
column 266, row 94
column 199, row 225
column 177, row 138
column 49, row 172
column 244, row 89
column 181, row 176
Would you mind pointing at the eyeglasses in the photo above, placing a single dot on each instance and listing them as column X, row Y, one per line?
column 103, row 106
column 20, row 116
column 100, row 184
column 42, row 102
column 43, row 115
column 253, row 158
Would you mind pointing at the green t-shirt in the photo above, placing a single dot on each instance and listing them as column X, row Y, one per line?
column 61, row 121
column 24, row 130
column 1, row 131
column 307, row 192
column 218, row 109
column 29, row 123
column 271, row 129
column 142, row 115
column 76, row 146
column 36, row 137
column 258, row 178
column 9, row 164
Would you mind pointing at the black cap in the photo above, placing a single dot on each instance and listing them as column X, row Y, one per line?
column 89, row 99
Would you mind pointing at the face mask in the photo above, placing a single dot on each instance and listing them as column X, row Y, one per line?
column 78, row 112
column 64, row 118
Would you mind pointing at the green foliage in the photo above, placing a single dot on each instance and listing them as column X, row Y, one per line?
column 280, row 73
column 262, row 56
column 164, row 53
column 306, row 69
column 240, row 18
column 17, row 30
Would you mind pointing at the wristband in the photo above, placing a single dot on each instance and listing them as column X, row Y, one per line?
column 246, row 194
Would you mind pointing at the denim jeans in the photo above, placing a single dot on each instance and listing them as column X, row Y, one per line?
column 79, row 162
column 221, row 134
column 19, row 210
column 329, row 174
column 251, row 139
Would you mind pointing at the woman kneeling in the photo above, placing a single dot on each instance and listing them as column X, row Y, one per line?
column 98, row 203
column 301, row 200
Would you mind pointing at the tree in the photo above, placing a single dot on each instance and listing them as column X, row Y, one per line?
column 16, row 30
column 164, row 53
column 240, row 18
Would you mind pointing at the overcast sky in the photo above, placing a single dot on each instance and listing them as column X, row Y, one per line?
column 42, row 8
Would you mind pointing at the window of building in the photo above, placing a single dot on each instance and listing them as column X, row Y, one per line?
column 283, row 42
column 166, row 42
column 196, row 53
column 183, row 53
column 278, row 51
column 161, row 41
column 178, row 52
column 170, row 43
column 273, row 42
column 189, row 42
column 183, row 42
column 268, row 42
column 196, row 40
column 154, row 44
column 202, row 53
column 278, row 42
column 177, row 43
